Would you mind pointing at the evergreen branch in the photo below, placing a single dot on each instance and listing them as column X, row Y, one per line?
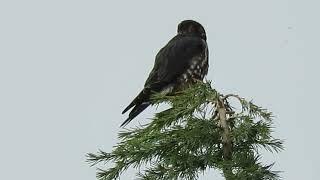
column 101, row 156
column 247, row 166
column 251, row 108
column 201, row 130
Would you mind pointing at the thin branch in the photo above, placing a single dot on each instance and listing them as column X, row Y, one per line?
column 232, row 95
column 226, row 138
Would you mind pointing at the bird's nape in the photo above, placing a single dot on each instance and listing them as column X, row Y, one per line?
column 192, row 27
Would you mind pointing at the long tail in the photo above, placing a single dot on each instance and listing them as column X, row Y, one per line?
column 140, row 103
column 135, row 112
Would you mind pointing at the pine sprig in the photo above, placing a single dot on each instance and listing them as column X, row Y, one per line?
column 188, row 138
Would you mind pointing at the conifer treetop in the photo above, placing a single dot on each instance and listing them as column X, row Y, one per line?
column 200, row 131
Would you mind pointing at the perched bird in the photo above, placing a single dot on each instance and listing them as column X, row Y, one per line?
column 182, row 61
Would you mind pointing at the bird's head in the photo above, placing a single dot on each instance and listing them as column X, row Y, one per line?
column 192, row 27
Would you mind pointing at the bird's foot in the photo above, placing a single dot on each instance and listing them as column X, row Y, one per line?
column 197, row 80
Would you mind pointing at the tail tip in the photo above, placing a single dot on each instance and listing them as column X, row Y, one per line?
column 126, row 122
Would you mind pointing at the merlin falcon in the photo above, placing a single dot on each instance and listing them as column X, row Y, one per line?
column 183, row 61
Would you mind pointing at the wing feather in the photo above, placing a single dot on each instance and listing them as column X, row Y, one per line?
column 174, row 59
column 170, row 63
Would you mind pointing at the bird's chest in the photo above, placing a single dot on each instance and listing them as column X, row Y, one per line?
column 196, row 70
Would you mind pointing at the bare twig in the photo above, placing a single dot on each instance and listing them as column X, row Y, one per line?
column 232, row 95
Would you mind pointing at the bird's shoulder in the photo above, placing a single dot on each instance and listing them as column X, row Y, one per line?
column 180, row 47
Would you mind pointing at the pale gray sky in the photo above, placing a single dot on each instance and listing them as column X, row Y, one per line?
column 68, row 68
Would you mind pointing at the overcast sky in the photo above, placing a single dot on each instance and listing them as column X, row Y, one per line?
column 68, row 68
